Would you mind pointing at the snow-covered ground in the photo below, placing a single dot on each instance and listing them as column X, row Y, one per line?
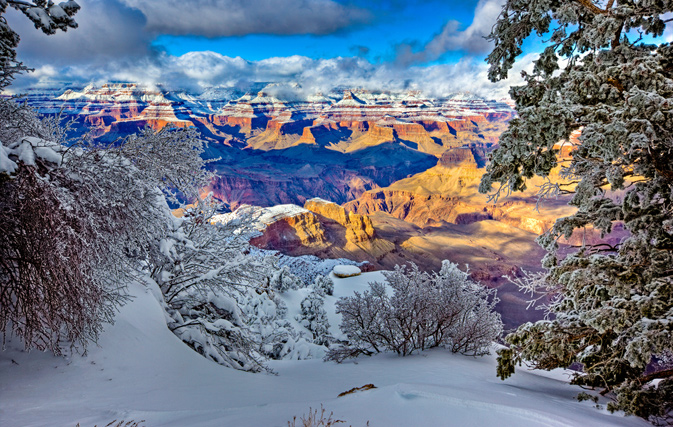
column 141, row 371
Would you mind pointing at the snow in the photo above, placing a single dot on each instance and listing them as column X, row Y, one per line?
column 48, row 154
column 261, row 216
column 6, row 164
column 141, row 371
column 319, row 200
column 346, row 271
column 25, row 153
column 57, row 12
column 37, row 14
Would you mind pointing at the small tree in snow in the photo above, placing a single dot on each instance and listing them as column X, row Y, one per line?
column 283, row 280
column 424, row 311
column 219, row 293
column 324, row 285
column 204, row 274
column 314, row 318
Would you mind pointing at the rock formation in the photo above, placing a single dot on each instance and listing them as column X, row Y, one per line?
column 448, row 193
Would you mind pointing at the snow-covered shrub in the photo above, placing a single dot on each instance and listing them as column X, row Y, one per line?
column 206, row 278
column 314, row 318
column 265, row 313
column 51, row 284
column 424, row 311
column 214, row 328
column 282, row 280
column 78, row 222
column 324, row 285
column 222, row 296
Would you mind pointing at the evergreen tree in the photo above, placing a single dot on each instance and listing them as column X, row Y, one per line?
column 283, row 280
column 604, row 71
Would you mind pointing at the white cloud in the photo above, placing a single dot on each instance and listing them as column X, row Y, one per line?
column 217, row 18
column 451, row 38
column 198, row 70
column 112, row 44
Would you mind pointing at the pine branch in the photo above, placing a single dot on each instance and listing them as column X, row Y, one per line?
column 592, row 7
column 667, row 373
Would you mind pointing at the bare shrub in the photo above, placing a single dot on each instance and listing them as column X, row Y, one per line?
column 49, row 284
column 122, row 423
column 313, row 419
column 424, row 311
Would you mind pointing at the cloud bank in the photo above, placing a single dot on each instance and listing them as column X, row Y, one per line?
column 197, row 71
column 108, row 30
column 114, row 43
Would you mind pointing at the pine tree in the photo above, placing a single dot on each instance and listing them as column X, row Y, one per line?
column 605, row 72
column 283, row 280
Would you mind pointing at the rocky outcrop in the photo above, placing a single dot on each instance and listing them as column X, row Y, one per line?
column 328, row 231
column 359, row 228
column 455, row 157
column 412, row 132
column 462, row 125
column 429, row 210
column 245, row 187
column 289, row 233
column 381, row 134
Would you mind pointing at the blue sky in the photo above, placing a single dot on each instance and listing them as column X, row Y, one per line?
column 376, row 39
column 431, row 45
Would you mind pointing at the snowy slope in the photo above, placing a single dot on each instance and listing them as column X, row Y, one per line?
column 141, row 371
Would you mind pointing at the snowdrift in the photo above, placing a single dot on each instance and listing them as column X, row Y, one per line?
column 142, row 371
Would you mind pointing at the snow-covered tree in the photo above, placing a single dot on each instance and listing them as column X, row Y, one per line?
column 222, row 296
column 283, row 280
column 425, row 310
column 46, row 15
column 209, row 282
column 605, row 71
column 314, row 318
column 324, row 285
column 77, row 222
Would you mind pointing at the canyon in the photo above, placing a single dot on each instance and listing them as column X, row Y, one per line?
column 273, row 144
column 386, row 178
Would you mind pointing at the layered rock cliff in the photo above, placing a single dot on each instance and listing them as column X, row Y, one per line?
column 359, row 228
column 324, row 229
column 448, row 193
